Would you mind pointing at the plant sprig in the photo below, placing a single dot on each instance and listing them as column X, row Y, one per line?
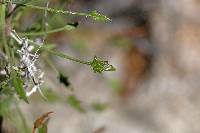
column 98, row 65
column 93, row 15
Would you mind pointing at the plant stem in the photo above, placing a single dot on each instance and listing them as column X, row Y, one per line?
column 3, row 27
column 57, row 53
column 67, row 27
column 47, row 9
column 68, row 57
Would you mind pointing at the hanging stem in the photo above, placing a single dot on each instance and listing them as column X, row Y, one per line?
column 67, row 27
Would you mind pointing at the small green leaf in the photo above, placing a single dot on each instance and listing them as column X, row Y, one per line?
column 75, row 103
column 17, row 83
column 99, row 17
column 100, row 66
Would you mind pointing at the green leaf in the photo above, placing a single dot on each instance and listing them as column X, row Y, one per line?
column 99, row 17
column 17, row 83
column 100, row 66
column 75, row 103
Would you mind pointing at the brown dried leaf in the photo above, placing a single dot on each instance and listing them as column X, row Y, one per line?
column 41, row 121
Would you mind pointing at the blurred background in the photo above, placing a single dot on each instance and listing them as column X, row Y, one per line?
column 155, row 47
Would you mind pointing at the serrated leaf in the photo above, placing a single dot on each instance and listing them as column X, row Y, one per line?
column 17, row 83
column 100, row 66
column 99, row 17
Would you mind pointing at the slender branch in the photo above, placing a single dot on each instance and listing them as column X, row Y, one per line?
column 3, row 27
column 68, row 57
column 96, row 64
column 67, row 27
column 94, row 15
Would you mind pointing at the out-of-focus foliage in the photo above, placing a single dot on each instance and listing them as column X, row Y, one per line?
column 75, row 103
column 23, row 41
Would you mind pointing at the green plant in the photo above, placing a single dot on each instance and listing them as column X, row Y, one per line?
column 19, row 53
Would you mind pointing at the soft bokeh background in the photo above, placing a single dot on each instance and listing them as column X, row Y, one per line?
column 155, row 46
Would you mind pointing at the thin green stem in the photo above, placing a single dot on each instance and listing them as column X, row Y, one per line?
column 56, row 11
column 57, row 53
column 67, row 27
column 68, row 57
column 49, row 62
column 3, row 27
